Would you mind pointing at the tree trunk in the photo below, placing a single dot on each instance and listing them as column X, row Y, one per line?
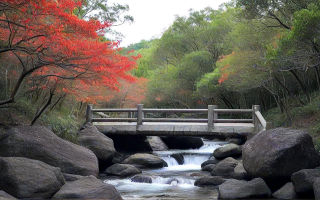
column 44, row 107
column 304, row 89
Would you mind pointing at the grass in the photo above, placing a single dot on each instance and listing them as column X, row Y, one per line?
column 60, row 121
column 302, row 117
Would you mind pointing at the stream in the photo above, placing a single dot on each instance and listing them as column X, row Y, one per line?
column 172, row 182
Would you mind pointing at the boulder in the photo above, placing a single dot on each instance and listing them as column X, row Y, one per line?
column 303, row 181
column 182, row 142
column 26, row 178
column 146, row 160
column 39, row 143
column 286, row 192
column 200, row 174
column 179, row 158
column 228, row 150
column 208, row 168
column 157, row 144
column 209, row 181
column 316, row 188
column 276, row 154
column 239, row 173
column 235, row 189
column 131, row 143
column 237, row 141
column 6, row 196
column 142, row 179
column 71, row 177
column 123, row 170
column 225, row 167
column 99, row 144
column 208, row 162
column 87, row 188
column 119, row 157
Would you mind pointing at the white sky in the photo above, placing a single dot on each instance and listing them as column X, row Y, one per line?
column 152, row 17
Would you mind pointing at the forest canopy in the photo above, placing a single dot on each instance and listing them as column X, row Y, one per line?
column 245, row 53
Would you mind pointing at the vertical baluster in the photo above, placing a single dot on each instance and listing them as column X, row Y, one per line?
column 89, row 113
column 140, row 114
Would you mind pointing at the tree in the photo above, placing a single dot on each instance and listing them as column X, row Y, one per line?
column 56, row 51
column 102, row 11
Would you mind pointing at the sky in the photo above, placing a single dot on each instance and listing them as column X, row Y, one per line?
column 153, row 17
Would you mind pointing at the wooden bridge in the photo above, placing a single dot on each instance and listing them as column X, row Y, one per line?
column 212, row 125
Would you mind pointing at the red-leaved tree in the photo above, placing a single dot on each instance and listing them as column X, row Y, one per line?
column 54, row 50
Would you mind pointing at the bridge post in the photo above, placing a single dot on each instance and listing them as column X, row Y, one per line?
column 269, row 125
column 89, row 113
column 139, row 114
column 212, row 116
column 255, row 118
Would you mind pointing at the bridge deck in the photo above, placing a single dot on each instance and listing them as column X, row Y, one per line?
column 172, row 128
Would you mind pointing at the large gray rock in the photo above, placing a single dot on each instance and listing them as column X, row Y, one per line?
column 225, row 167
column 239, row 173
column 286, row 192
column 209, row 181
column 276, row 154
column 208, row 168
column 123, row 170
column 146, row 160
column 235, row 189
column 26, row 178
column 228, row 150
column 157, row 144
column 71, row 177
column 39, row 143
column 209, row 162
column 303, row 181
column 238, row 141
column 98, row 143
column 200, row 174
column 142, row 179
column 87, row 188
column 178, row 157
column 316, row 188
column 6, row 196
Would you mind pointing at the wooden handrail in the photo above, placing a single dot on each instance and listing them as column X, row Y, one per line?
column 258, row 120
column 212, row 112
column 153, row 110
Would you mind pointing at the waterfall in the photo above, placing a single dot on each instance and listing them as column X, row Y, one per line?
column 172, row 181
column 170, row 161
column 195, row 159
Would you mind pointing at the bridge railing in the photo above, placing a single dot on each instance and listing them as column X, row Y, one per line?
column 212, row 116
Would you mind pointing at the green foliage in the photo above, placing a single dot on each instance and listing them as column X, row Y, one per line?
column 66, row 127
column 59, row 121
column 102, row 11
column 143, row 44
column 209, row 83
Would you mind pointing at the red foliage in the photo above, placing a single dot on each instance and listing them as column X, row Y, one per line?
column 55, row 46
column 130, row 94
column 224, row 74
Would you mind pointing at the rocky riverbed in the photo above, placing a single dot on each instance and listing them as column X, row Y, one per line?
column 279, row 163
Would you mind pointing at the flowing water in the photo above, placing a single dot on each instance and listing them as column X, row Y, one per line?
column 172, row 182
